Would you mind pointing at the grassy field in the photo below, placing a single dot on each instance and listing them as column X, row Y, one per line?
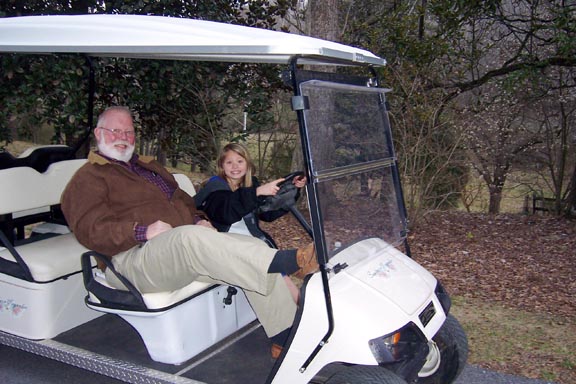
column 516, row 197
column 534, row 345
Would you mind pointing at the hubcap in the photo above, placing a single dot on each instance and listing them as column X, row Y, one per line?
column 432, row 361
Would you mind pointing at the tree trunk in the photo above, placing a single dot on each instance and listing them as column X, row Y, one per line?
column 495, row 200
column 495, row 187
column 571, row 198
column 322, row 20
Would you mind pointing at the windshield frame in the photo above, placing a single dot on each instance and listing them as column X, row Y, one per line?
column 319, row 176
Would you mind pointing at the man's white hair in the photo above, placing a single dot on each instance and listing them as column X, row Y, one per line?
column 102, row 118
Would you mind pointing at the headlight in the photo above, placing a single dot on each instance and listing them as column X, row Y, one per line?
column 405, row 344
column 403, row 352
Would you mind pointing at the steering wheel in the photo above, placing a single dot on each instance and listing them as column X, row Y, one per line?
column 286, row 195
column 289, row 177
column 285, row 198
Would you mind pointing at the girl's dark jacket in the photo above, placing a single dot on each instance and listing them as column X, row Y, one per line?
column 224, row 207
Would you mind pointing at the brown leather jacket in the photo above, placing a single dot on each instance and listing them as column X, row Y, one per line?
column 104, row 201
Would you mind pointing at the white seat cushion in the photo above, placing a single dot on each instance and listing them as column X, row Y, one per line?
column 159, row 300
column 51, row 258
column 166, row 299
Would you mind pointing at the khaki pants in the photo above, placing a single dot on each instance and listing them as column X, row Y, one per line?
column 190, row 253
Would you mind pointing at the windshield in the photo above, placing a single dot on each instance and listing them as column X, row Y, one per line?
column 355, row 193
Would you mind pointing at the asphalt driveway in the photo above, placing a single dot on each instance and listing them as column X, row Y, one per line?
column 19, row 367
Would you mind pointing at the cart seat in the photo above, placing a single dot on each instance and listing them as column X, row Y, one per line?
column 41, row 286
column 30, row 198
column 49, row 259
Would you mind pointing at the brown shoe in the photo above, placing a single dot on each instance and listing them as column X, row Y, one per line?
column 276, row 350
column 306, row 259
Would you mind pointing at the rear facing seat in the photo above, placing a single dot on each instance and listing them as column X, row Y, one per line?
column 41, row 290
column 29, row 197
column 49, row 259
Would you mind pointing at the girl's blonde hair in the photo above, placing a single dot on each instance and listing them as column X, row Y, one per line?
column 242, row 151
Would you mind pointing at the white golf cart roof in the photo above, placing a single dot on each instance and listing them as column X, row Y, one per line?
column 159, row 37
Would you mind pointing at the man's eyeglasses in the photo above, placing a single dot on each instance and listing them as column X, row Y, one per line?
column 119, row 132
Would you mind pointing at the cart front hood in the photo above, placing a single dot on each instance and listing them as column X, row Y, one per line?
column 378, row 266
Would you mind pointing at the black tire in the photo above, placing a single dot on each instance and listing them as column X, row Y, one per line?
column 453, row 345
column 365, row 374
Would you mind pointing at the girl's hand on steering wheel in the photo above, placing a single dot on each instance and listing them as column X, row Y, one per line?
column 299, row 181
column 269, row 189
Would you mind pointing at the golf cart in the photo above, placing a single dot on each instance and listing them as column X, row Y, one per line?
column 370, row 315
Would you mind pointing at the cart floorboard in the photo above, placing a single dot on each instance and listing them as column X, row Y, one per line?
column 111, row 336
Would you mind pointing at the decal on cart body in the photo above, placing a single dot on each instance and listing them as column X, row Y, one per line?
column 12, row 308
column 383, row 270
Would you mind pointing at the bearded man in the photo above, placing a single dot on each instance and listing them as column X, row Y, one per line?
column 131, row 209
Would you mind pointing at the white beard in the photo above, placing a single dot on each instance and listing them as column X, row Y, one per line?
column 109, row 150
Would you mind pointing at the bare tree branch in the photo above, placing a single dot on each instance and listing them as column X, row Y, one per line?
column 555, row 61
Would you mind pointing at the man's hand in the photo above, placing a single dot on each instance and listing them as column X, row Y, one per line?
column 157, row 228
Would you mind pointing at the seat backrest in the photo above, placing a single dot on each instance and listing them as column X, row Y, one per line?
column 24, row 188
column 185, row 183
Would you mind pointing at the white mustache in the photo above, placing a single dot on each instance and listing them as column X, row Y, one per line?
column 122, row 142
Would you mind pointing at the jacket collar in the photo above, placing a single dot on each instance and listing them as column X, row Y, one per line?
column 97, row 158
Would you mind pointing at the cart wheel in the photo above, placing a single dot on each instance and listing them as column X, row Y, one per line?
column 364, row 374
column 452, row 347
